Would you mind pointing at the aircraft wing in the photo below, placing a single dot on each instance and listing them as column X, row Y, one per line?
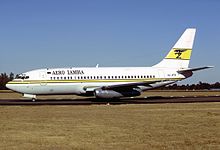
column 119, row 86
column 129, row 85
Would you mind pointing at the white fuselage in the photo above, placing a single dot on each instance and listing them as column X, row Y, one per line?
column 82, row 80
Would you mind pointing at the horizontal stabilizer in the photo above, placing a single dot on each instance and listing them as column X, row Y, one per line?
column 193, row 69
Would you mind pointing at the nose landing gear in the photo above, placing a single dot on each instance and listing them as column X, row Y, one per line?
column 33, row 97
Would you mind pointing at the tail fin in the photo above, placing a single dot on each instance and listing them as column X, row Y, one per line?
column 179, row 55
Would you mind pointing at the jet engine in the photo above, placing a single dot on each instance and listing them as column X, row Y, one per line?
column 99, row 93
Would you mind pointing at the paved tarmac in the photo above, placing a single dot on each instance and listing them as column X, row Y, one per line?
column 93, row 101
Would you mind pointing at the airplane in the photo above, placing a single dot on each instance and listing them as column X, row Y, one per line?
column 110, row 82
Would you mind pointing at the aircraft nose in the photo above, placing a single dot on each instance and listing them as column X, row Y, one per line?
column 8, row 85
column 14, row 87
column 11, row 86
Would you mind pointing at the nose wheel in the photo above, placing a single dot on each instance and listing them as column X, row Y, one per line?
column 30, row 96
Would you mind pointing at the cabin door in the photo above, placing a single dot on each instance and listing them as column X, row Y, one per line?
column 161, row 74
column 43, row 78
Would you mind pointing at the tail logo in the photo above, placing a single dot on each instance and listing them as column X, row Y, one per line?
column 178, row 53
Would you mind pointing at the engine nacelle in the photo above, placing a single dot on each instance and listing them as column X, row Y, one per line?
column 99, row 93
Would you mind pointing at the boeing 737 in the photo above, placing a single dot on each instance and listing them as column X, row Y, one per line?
column 110, row 82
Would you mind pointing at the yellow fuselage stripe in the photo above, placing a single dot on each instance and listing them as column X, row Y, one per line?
column 90, row 81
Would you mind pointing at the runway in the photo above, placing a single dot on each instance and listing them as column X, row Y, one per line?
column 93, row 101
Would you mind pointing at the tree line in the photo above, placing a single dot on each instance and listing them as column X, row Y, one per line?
column 199, row 86
column 4, row 78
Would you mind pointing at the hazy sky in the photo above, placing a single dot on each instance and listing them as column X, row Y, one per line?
column 51, row 33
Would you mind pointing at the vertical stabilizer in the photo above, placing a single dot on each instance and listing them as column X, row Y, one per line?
column 179, row 55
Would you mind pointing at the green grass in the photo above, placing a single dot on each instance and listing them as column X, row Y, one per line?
column 160, row 126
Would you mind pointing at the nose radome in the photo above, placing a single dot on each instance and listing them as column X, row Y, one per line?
column 8, row 85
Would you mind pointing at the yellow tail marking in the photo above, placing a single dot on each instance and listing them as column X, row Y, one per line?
column 179, row 53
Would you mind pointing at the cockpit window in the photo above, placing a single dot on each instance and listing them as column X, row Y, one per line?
column 18, row 77
column 22, row 76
